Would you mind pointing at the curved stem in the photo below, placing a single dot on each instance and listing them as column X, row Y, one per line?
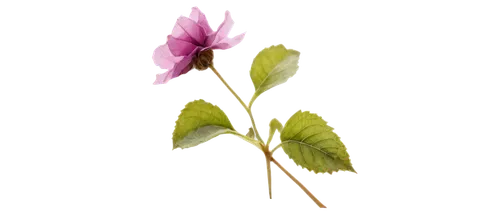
column 247, row 139
column 268, row 165
column 298, row 183
column 241, row 102
column 251, row 101
column 277, row 147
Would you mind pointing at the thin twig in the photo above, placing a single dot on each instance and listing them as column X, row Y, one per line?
column 241, row 102
column 298, row 183
column 268, row 165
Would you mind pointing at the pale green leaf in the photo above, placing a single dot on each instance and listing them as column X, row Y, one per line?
column 252, row 134
column 312, row 144
column 199, row 122
column 273, row 66
column 273, row 126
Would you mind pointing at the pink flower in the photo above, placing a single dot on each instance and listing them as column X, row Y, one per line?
column 190, row 37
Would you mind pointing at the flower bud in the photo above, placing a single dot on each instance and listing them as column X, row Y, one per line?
column 203, row 59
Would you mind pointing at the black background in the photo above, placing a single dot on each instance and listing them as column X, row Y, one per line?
column 339, row 43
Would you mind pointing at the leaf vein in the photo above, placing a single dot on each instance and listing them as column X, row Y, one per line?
column 305, row 129
column 304, row 139
column 298, row 142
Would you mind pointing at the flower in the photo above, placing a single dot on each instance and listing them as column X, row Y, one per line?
column 191, row 44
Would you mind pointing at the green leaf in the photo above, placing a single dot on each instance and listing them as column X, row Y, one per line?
column 313, row 145
column 273, row 66
column 199, row 122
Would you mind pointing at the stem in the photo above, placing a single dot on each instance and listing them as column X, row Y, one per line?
column 269, row 139
column 241, row 102
column 250, row 104
column 246, row 139
column 298, row 183
column 269, row 158
column 268, row 164
column 277, row 147
column 252, row 100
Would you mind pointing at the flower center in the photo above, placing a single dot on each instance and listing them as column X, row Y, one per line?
column 203, row 59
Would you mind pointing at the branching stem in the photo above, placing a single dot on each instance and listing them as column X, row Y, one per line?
column 265, row 147
column 249, row 111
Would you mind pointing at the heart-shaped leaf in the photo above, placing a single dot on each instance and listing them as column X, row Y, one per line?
column 199, row 122
column 273, row 66
column 312, row 144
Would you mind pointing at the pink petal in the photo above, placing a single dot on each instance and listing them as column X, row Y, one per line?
column 222, row 31
column 199, row 17
column 163, row 78
column 163, row 57
column 228, row 42
column 165, row 63
column 183, row 66
column 179, row 47
column 188, row 30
